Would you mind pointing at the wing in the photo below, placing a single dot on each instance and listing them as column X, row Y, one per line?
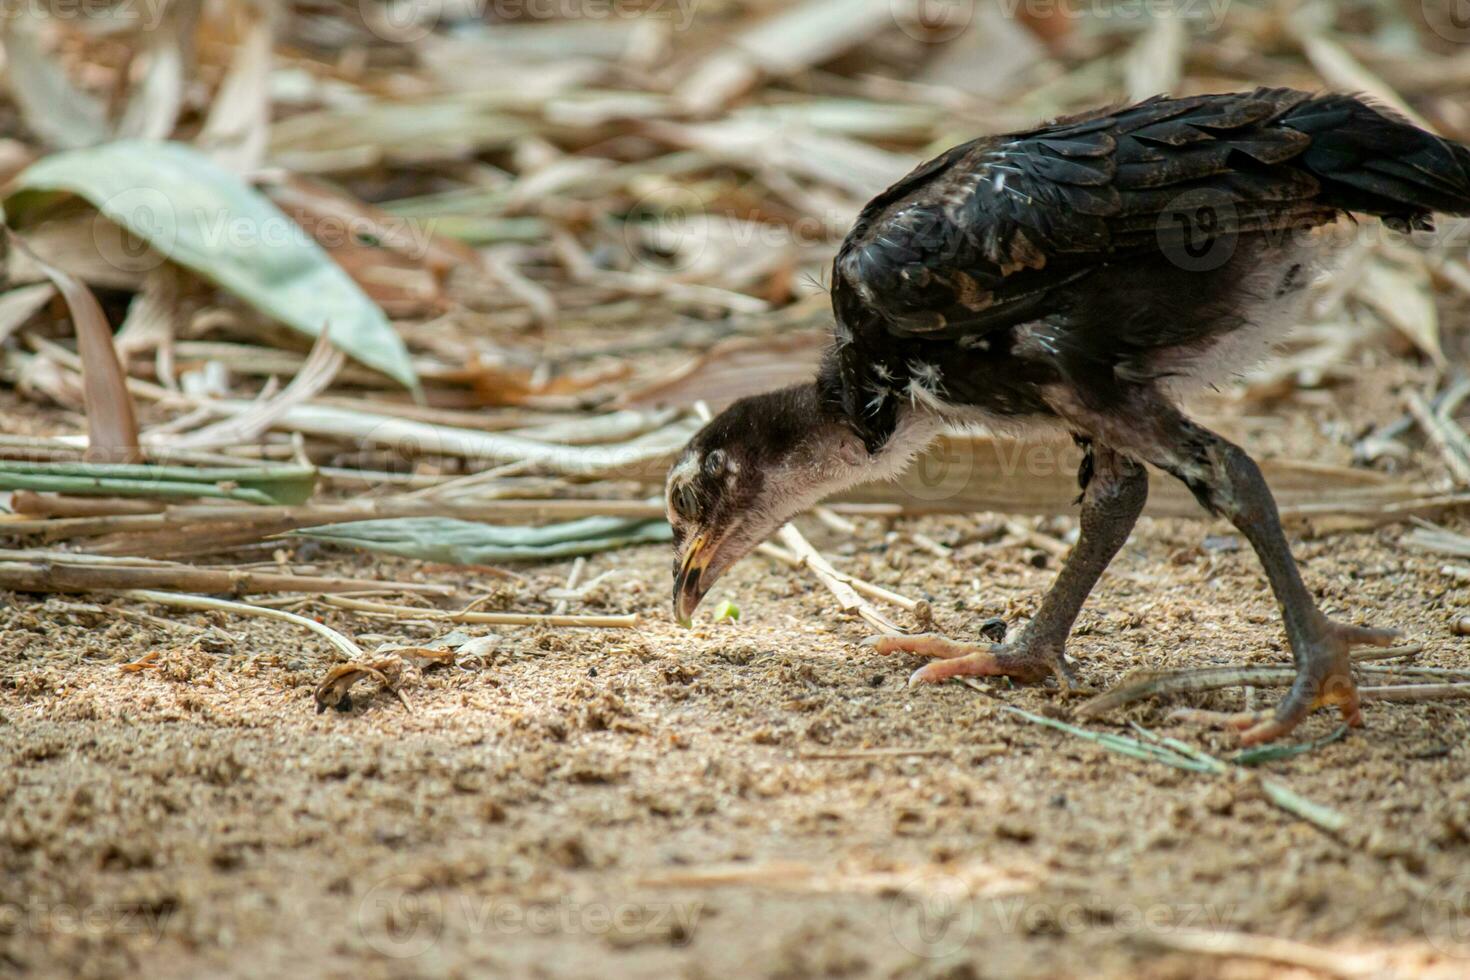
column 977, row 238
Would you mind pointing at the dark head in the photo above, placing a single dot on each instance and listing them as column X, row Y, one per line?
column 753, row 467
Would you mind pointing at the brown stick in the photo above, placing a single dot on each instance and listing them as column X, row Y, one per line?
column 34, row 504
column 313, row 515
column 53, row 576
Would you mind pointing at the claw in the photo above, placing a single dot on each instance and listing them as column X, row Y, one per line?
column 1324, row 679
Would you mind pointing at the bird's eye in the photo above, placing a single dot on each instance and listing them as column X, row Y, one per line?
column 686, row 502
column 715, row 462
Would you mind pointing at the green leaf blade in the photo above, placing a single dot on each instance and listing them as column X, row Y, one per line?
column 209, row 220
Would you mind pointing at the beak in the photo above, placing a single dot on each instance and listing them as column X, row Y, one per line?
column 689, row 587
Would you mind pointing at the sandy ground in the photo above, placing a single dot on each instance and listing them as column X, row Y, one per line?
column 659, row 802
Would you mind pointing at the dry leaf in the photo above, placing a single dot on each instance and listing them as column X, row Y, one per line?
column 112, row 429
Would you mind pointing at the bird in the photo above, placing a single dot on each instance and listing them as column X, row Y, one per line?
column 1085, row 276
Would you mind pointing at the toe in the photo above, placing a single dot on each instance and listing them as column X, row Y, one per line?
column 1267, row 731
column 1368, row 636
column 973, row 665
column 923, row 644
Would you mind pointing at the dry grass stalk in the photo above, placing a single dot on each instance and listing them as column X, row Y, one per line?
column 859, row 585
column 845, row 594
column 279, row 519
column 629, row 621
column 182, row 601
column 1439, row 429
column 1273, row 949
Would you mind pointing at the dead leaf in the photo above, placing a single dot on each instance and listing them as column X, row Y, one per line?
column 112, row 429
column 334, row 690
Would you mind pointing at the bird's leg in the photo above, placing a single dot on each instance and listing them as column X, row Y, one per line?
column 1114, row 489
column 1227, row 481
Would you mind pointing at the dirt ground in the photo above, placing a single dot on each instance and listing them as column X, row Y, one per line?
column 660, row 802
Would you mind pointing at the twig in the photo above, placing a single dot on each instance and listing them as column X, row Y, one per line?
column 78, row 575
column 93, row 609
column 1043, row 542
column 1271, row 948
column 933, row 547
column 349, row 649
column 847, row 596
column 834, row 520
column 573, row 578
column 34, row 504
column 1213, row 678
column 1439, row 431
column 887, row 753
column 489, row 619
column 868, row 589
column 1416, row 692
column 280, row 519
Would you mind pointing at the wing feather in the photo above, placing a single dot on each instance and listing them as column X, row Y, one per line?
column 972, row 240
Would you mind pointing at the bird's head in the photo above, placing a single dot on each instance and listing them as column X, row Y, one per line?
column 752, row 468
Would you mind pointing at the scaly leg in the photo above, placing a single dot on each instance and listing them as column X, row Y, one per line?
column 1114, row 489
column 1228, row 482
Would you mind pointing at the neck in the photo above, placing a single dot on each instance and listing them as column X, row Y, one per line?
column 837, row 454
column 913, row 431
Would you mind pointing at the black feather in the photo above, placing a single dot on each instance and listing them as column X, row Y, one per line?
column 1065, row 251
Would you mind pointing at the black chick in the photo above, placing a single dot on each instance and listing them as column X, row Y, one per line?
column 1082, row 275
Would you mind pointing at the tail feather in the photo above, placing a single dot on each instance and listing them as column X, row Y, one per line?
column 1370, row 160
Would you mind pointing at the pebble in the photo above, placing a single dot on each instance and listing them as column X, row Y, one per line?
column 1461, row 626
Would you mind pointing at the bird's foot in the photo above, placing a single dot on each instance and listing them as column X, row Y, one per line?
column 1325, row 678
column 1020, row 659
